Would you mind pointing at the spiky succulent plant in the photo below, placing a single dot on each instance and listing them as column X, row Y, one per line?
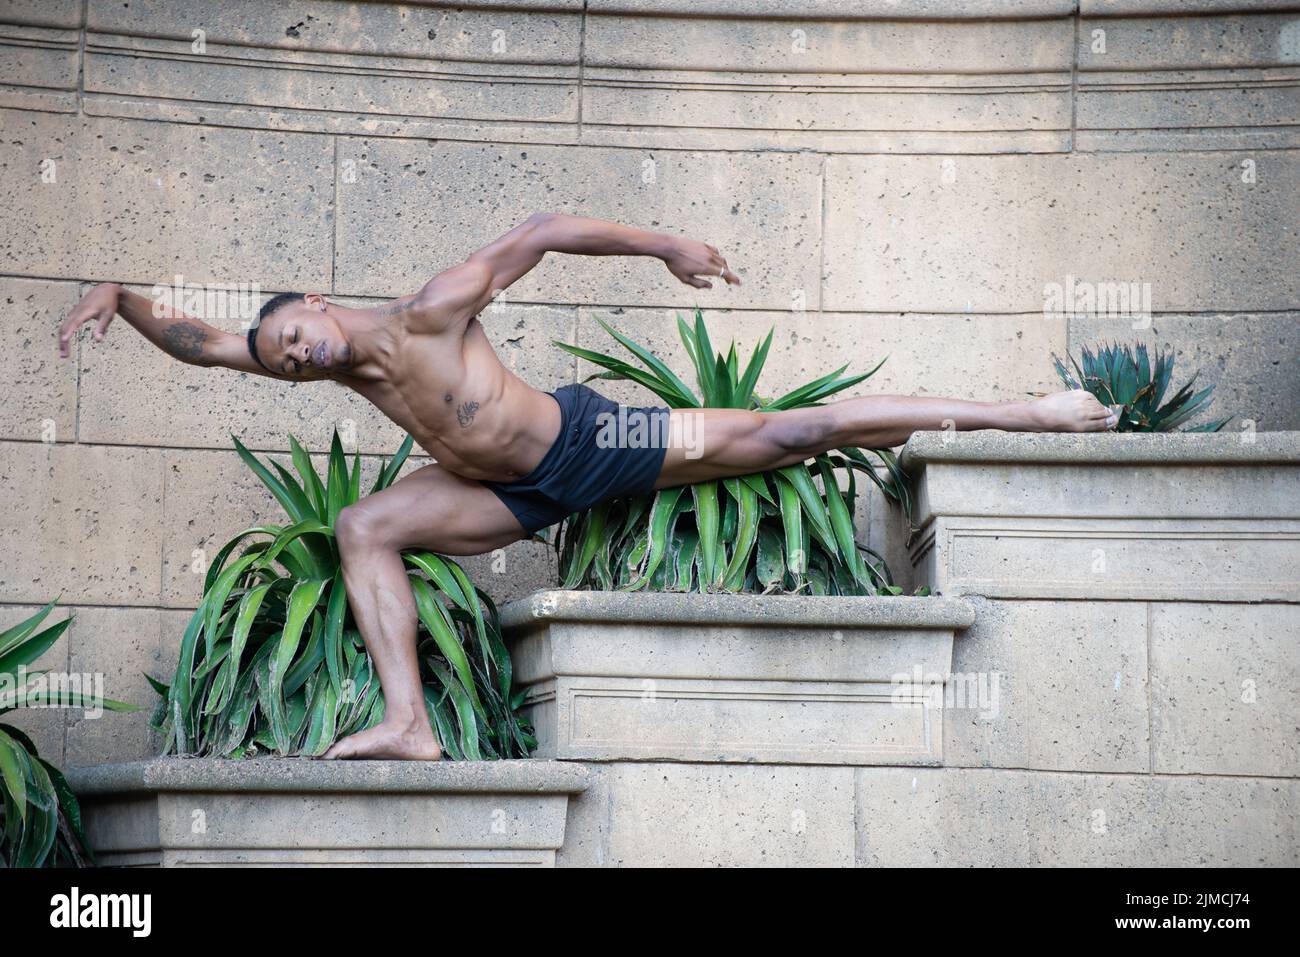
column 1123, row 377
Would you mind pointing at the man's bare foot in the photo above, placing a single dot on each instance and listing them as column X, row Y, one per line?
column 1074, row 411
column 404, row 742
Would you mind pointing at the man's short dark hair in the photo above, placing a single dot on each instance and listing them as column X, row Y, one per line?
column 272, row 304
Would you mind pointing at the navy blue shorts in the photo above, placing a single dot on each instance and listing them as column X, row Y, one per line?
column 603, row 451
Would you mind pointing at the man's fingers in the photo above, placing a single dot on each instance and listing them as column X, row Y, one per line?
column 101, row 326
column 697, row 282
column 721, row 269
column 67, row 331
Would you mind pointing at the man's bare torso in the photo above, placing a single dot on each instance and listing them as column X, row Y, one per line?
column 461, row 405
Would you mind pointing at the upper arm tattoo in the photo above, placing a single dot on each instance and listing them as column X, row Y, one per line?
column 184, row 340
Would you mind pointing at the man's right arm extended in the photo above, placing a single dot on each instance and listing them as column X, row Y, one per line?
column 183, row 337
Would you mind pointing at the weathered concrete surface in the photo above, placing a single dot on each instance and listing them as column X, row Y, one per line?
column 711, row 815
column 900, row 237
column 1223, row 688
column 40, row 391
column 97, row 199
column 1157, row 82
column 754, row 83
column 927, row 817
column 412, row 209
column 669, row 815
column 614, row 676
column 110, row 651
column 38, row 54
column 1051, row 686
column 208, row 812
column 915, row 77
column 834, row 10
column 468, row 72
column 81, row 520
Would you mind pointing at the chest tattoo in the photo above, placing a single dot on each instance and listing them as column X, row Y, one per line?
column 465, row 413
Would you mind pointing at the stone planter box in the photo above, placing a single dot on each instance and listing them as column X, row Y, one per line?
column 1137, row 599
column 176, row 812
column 1163, row 516
column 615, row 676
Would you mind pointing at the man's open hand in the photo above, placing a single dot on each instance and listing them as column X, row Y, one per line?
column 99, row 305
column 692, row 262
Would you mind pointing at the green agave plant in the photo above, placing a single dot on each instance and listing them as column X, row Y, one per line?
column 1123, row 376
column 40, row 820
column 272, row 660
column 774, row 531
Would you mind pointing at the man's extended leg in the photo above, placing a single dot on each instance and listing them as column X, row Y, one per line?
column 430, row 508
column 714, row 443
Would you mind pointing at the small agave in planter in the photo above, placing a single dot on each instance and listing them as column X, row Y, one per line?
column 272, row 660
column 774, row 531
column 1123, row 376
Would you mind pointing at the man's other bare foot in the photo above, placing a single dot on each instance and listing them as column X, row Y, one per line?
column 1074, row 411
column 388, row 742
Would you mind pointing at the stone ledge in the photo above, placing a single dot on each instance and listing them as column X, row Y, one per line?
column 768, row 610
column 837, row 10
column 304, row 774
column 1181, row 8
column 1129, row 448
column 176, row 812
column 877, row 9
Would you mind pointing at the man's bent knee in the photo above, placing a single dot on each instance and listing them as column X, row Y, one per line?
column 357, row 528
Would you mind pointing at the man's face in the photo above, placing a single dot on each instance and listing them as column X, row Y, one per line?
column 303, row 341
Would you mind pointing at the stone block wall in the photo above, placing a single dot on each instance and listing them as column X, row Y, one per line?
column 889, row 177
column 1137, row 624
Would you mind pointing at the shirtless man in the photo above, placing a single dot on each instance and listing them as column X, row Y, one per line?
column 510, row 459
